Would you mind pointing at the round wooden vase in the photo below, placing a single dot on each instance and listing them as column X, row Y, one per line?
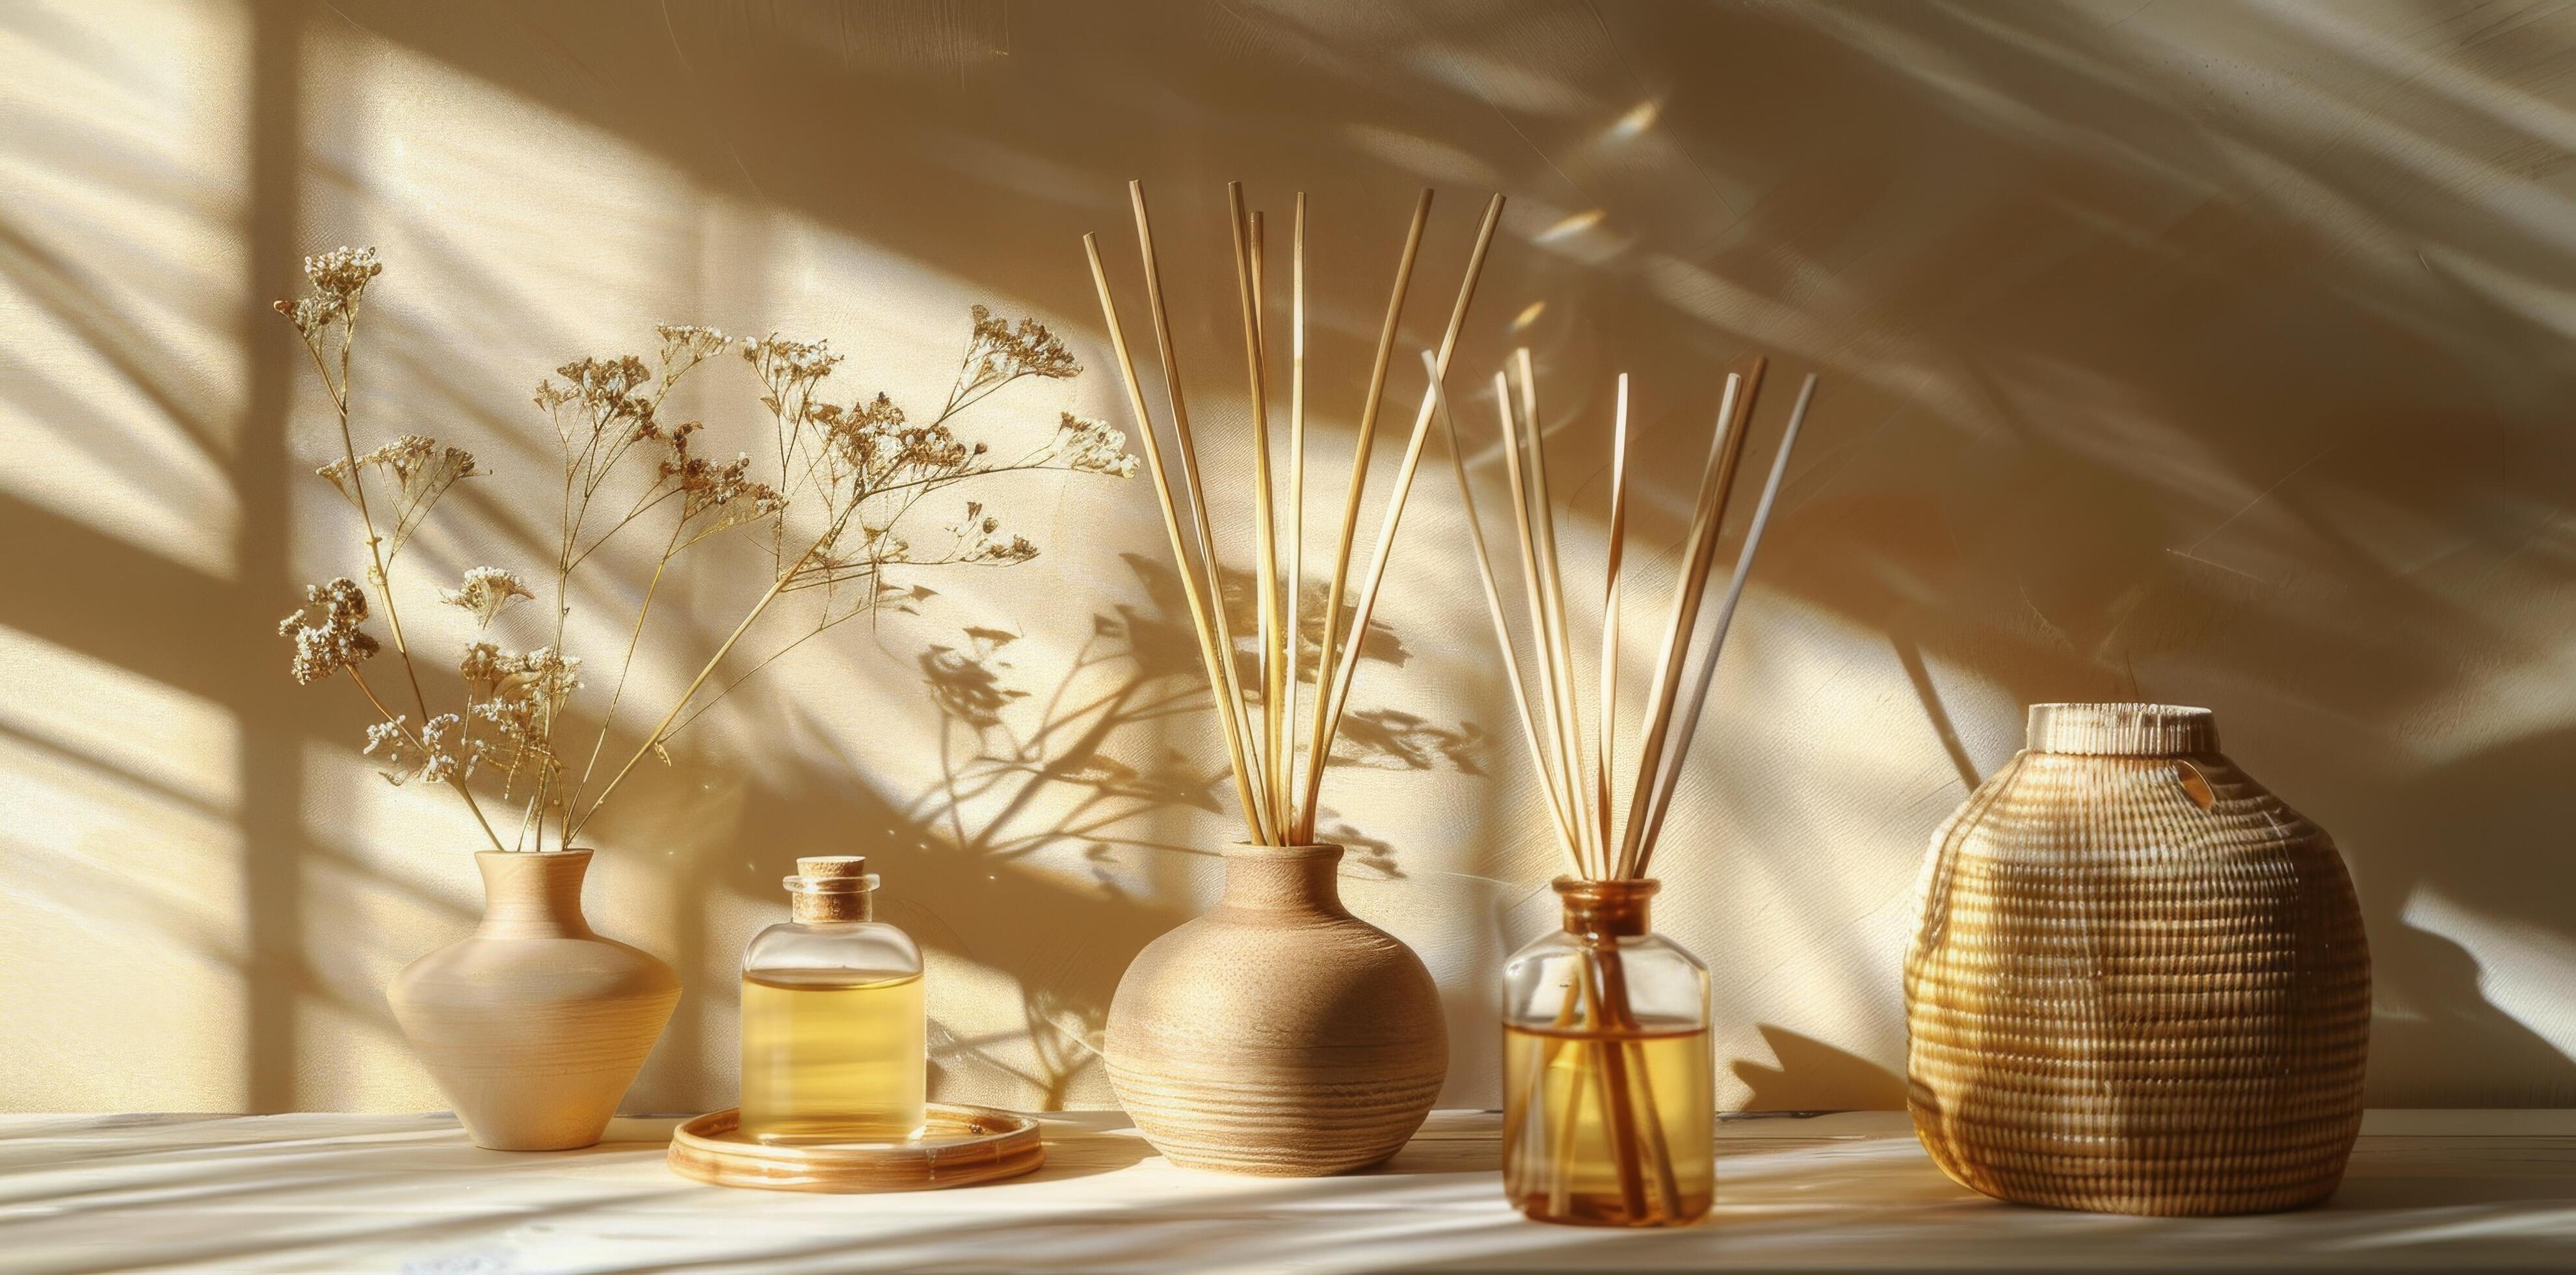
column 533, row 1026
column 2139, row 982
column 1277, row 1034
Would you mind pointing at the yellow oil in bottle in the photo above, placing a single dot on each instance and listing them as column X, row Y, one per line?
column 1563, row 1142
column 831, row 1055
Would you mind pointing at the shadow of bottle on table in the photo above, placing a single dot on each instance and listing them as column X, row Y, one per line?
column 1812, row 1076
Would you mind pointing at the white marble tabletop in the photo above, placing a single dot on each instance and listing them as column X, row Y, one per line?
column 2428, row 1191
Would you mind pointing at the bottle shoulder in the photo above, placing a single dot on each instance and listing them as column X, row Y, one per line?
column 1561, row 980
column 1556, row 945
column 862, row 947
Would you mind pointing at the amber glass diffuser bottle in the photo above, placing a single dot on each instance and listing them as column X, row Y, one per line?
column 1608, row 1094
column 832, row 1016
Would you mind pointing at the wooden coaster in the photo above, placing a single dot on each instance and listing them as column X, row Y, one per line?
column 960, row 1146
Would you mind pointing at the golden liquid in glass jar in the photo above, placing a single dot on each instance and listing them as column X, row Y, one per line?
column 1561, row 1137
column 832, row 1055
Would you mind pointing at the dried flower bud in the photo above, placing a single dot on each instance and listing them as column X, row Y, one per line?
column 485, row 591
column 1093, row 447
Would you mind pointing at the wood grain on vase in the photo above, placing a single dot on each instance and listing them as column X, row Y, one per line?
column 534, row 1026
column 1277, row 1034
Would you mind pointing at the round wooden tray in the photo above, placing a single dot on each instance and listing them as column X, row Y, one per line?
column 960, row 1146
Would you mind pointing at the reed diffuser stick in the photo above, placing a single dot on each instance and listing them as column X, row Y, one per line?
column 1296, row 631
column 1172, row 523
column 1736, row 413
column 1556, row 801
column 1607, row 734
column 1319, row 744
column 1265, row 527
column 1346, row 666
column 1669, row 777
column 1230, row 704
column 1551, row 581
column 1551, row 694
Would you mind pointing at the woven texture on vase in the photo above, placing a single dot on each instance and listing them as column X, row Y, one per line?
column 2138, row 982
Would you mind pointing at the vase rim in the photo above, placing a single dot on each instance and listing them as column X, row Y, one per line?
column 1255, row 850
column 532, row 854
column 2122, row 730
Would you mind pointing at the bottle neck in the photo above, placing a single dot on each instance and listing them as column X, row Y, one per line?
column 819, row 906
column 1606, row 909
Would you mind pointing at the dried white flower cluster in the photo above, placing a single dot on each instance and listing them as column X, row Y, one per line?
column 325, row 630
column 788, row 367
column 1094, row 447
column 715, row 496
column 339, row 279
column 484, row 592
column 685, row 345
column 421, row 469
column 978, row 542
column 999, row 352
column 442, row 753
column 520, row 695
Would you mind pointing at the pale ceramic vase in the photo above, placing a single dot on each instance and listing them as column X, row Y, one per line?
column 1277, row 1034
column 533, row 1026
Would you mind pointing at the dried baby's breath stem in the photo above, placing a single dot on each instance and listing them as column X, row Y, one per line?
column 634, row 639
column 864, row 464
column 376, row 572
column 413, row 739
column 654, row 739
column 817, row 570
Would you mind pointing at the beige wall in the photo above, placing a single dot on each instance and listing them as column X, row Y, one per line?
column 2209, row 353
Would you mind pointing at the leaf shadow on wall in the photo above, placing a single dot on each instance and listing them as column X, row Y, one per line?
column 976, row 863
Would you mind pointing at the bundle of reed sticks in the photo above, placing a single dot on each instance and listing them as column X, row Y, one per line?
column 1278, row 795
column 1581, row 783
column 1582, row 789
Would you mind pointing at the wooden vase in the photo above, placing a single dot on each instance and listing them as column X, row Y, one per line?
column 2139, row 982
column 533, row 1026
column 1277, row 1034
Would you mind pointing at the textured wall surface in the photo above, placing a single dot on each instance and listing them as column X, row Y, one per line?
column 2208, row 353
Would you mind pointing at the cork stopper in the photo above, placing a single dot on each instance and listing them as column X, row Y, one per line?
column 2123, row 730
column 835, row 887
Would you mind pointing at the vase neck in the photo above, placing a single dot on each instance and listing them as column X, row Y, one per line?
column 1283, row 879
column 2122, row 730
column 533, row 896
column 1606, row 909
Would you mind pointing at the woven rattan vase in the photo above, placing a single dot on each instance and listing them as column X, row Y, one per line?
column 2138, row 982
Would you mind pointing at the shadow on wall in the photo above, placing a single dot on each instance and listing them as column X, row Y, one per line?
column 2211, row 355
column 1026, row 776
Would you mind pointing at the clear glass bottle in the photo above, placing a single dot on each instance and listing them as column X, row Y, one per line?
column 1609, row 1115
column 833, row 1021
